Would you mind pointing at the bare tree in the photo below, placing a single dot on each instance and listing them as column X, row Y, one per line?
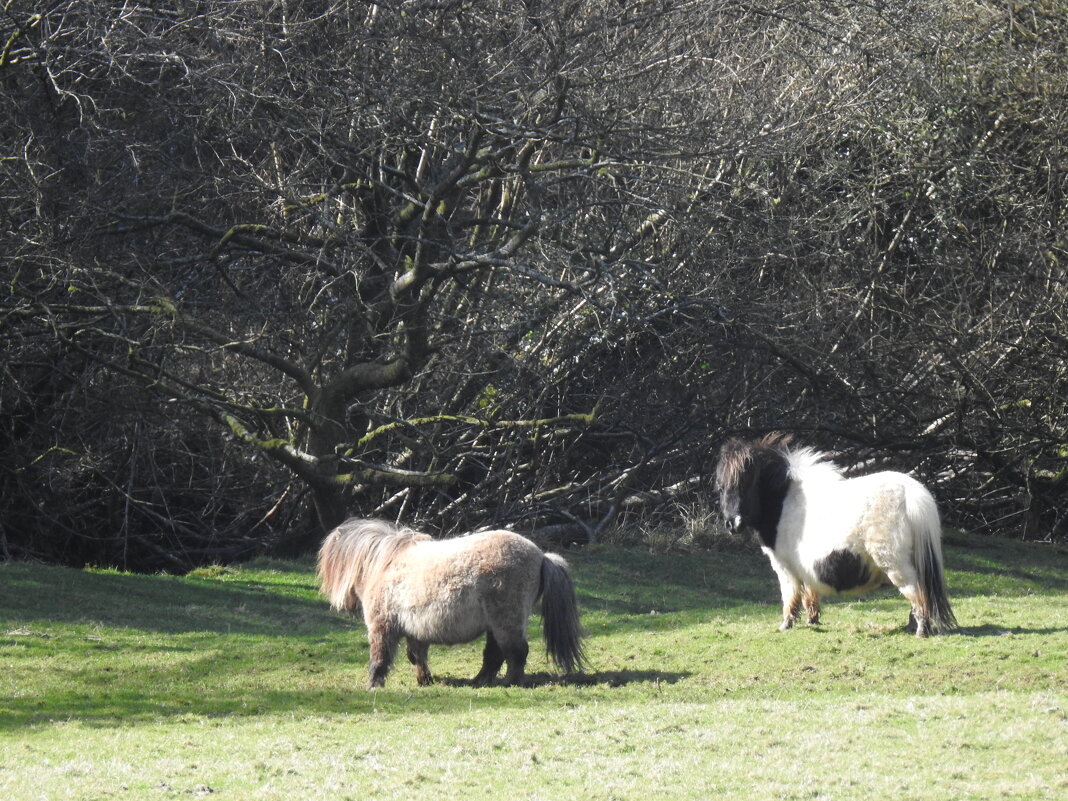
column 337, row 229
column 517, row 262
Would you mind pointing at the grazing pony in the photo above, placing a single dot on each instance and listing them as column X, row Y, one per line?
column 827, row 534
column 450, row 591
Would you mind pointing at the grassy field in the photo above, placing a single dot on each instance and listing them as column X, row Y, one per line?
column 237, row 683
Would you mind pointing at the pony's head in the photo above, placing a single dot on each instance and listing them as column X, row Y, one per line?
column 752, row 479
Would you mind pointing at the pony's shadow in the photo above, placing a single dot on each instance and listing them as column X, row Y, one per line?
column 988, row 630
column 606, row 678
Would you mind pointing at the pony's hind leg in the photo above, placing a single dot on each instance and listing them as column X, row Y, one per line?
column 919, row 613
column 492, row 659
column 514, row 649
column 515, row 655
column 918, row 622
column 417, row 655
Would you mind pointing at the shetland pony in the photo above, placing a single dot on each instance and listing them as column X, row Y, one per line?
column 827, row 534
column 447, row 592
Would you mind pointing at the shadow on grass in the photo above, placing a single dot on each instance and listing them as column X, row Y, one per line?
column 601, row 678
column 988, row 565
column 1005, row 631
column 121, row 709
column 448, row 695
column 629, row 581
column 159, row 603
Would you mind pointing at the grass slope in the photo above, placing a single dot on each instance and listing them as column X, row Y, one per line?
column 240, row 683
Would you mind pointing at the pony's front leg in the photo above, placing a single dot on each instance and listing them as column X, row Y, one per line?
column 811, row 602
column 417, row 655
column 791, row 607
column 791, row 590
column 383, row 646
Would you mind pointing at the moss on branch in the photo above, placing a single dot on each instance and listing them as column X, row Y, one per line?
column 584, row 418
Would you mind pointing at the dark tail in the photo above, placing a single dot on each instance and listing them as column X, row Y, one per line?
column 928, row 555
column 933, row 581
column 560, row 615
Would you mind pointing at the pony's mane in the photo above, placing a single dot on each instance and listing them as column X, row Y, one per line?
column 809, row 463
column 738, row 456
column 356, row 550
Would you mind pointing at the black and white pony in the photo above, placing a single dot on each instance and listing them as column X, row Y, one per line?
column 827, row 534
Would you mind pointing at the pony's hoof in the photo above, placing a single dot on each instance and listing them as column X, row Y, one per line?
column 786, row 625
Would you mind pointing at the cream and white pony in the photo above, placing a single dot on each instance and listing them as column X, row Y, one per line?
column 450, row 591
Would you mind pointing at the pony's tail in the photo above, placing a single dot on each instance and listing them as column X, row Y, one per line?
column 560, row 615
column 928, row 555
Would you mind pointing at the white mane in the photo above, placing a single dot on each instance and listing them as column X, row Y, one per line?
column 808, row 464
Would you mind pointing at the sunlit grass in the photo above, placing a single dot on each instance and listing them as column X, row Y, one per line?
column 240, row 683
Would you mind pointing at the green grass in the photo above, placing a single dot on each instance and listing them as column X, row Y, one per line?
column 240, row 683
